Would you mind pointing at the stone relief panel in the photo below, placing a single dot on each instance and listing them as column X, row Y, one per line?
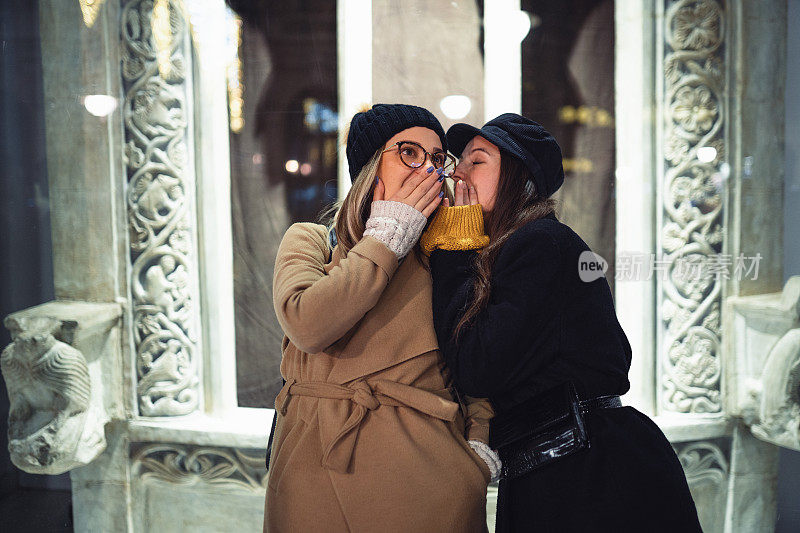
column 779, row 405
column 54, row 426
column 706, row 466
column 692, row 193
column 156, row 65
column 185, row 464
column 763, row 336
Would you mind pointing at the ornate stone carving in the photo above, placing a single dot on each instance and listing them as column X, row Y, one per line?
column 707, row 470
column 692, row 225
column 703, row 462
column 53, row 425
column 184, row 464
column 779, row 408
column 765, row 373
column 161, row 206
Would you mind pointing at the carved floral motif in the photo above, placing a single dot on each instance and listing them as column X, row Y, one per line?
column 183, row 464
column 692, row 228
column 703, row 462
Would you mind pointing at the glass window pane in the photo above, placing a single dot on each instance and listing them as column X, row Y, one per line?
column 283, row 164
column 568, row 86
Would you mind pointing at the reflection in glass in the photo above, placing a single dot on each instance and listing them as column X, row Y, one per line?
column 283, row 164
column 568, row 86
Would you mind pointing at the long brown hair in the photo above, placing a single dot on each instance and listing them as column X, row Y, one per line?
column 516, row 204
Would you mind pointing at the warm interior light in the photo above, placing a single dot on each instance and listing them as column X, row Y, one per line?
column 162, row 37
column 90, row 9
column 292, row 166
column 99, row 105
column 706, row 154
column 520, row 24
column 455, row 106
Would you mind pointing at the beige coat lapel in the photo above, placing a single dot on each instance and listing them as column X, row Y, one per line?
column 399, row 327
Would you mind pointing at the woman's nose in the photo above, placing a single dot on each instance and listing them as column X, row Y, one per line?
column 460, row 170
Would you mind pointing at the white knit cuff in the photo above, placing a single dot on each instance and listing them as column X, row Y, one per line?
column 489, row 457
column 395, row 224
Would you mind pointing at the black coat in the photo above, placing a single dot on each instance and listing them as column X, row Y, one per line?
column 544, row 325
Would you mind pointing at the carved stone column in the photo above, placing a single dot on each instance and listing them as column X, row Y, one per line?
column 399, row 49
column 159, row 155
column 719, row 142
column 692, row 194
column 95, row 376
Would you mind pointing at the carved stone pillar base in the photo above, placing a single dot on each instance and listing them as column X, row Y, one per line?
column 752, row 487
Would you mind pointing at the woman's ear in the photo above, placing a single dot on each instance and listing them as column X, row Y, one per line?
column 379, row 190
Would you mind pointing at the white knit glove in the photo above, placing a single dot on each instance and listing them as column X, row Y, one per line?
column 395, row 224
column 489, row 457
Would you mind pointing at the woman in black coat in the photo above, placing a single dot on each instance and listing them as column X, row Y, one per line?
column 518, row 317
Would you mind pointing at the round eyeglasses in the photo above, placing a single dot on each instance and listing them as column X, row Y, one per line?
column 413, row 155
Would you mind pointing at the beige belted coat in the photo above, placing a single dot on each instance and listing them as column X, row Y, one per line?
column 368, row 436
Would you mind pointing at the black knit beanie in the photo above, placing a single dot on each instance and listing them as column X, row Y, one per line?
column 369, row 130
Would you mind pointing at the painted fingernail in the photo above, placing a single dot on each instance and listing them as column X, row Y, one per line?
column 441, row 193
column 441, row 178
column 439, row 171
column 430, row 169
column 377, row 179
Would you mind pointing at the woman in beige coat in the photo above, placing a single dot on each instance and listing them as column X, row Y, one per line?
column 370, row 436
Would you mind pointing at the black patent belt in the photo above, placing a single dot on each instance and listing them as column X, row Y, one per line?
column 544, row 428
column 601, row 402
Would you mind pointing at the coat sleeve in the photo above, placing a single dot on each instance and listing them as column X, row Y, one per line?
column 315, row 308
column 479, row 413
column 488, row 355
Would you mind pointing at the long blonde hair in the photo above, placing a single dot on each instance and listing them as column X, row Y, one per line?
column 346, row 219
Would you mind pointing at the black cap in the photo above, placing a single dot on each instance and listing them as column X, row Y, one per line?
column 369, row 130
column 522, row 138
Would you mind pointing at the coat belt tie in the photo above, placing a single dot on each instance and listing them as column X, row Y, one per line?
column 366, row 396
